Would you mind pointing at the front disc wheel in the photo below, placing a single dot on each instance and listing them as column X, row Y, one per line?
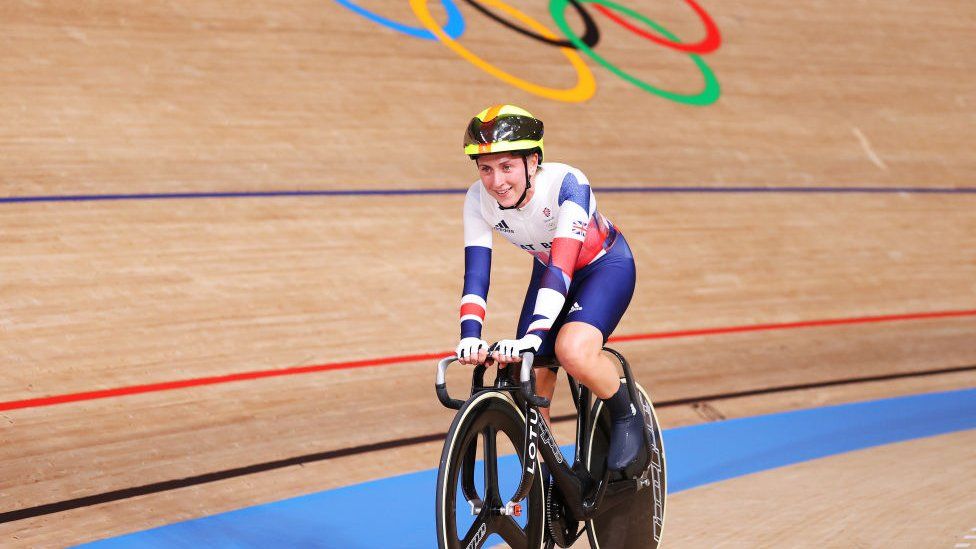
column 470, row 494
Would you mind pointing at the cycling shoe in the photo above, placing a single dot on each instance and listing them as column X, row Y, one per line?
column 627, row 446
column 628, row 449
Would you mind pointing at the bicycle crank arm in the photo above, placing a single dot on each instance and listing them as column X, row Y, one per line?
column 592, row 504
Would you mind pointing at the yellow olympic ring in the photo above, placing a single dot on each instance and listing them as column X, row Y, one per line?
column 585, row 83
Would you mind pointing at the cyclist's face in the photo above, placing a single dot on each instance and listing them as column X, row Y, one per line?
column 503, row 175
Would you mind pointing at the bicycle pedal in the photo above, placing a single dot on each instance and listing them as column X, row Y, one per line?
column 637, row 468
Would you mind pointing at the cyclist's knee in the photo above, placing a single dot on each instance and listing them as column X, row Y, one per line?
column 576, row 353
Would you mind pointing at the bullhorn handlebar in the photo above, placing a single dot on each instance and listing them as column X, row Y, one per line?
column 526, row 383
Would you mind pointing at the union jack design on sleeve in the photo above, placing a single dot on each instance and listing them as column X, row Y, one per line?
column 579, row 228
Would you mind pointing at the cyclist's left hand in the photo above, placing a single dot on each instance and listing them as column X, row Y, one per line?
column 510, row 350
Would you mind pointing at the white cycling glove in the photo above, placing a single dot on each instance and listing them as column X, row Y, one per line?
column 470, row 346
column 509, row 349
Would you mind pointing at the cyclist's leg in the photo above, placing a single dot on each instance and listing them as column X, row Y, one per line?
column 597, row 299
column 578, row 346
column 599, row 296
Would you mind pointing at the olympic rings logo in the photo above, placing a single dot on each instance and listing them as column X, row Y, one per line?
column 570, row 45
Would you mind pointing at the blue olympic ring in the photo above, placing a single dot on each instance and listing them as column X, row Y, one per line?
column 454, row 27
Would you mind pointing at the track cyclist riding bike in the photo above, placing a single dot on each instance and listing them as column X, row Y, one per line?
column 583, row 274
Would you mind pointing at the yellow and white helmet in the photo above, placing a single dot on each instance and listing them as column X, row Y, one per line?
column 503, row 128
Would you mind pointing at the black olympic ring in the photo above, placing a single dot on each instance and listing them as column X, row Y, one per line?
column 591, row 34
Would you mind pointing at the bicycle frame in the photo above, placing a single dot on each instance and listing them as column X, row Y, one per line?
column 583, row 494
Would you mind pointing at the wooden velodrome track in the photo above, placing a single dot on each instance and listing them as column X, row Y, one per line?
column 125, row 98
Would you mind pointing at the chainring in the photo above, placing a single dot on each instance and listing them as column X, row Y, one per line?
column 562, row 528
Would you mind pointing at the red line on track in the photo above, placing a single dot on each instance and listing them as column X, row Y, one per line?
column 214, row 380
column 196, row 382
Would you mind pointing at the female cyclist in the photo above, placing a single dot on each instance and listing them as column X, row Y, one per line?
column 583, row 273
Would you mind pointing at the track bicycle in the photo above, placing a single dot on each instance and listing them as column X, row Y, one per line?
column 615, row 512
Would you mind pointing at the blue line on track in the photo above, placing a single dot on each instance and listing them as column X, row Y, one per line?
column 399, row 511
column 414, row 192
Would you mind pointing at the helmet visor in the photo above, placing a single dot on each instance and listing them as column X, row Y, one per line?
column 503, row 128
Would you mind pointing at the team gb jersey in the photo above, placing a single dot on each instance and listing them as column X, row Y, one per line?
column 560, row 226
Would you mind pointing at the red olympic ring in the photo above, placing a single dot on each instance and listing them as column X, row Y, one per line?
column 710, row 43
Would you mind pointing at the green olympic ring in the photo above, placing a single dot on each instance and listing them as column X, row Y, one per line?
column 707, row 96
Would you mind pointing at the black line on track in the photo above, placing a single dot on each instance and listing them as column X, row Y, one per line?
column 816, row 385
column 156, row 487
column 125, row 493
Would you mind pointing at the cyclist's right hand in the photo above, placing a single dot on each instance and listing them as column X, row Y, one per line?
column 472, row 350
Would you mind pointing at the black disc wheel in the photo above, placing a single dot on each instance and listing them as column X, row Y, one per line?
column 635, row 523
column 471, row 493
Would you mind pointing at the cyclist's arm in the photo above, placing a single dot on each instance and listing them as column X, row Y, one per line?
column 576, row 205
column 477, row 265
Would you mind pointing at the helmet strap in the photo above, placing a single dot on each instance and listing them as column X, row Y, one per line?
column 528, row 185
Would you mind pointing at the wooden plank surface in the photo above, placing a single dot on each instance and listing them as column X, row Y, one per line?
column 915, row 493
column 120, row 97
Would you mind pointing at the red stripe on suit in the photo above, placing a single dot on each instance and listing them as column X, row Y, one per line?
column 473, row 309
column 565, row 254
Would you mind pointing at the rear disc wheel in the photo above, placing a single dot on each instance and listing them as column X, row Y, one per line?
column 638, row 523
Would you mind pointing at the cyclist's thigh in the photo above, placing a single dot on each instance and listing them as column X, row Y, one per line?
column 603, row 294
column 598, row 295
